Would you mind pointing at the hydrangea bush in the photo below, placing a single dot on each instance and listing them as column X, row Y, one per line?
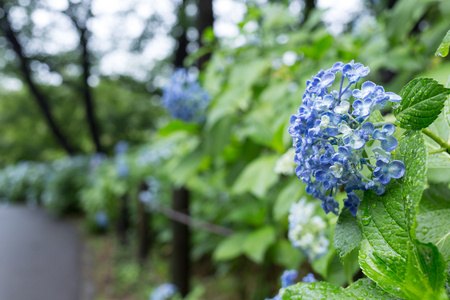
column 342, row 144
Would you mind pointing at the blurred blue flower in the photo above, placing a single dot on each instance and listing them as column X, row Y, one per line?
column 309, row 278
column 101, row 219
column 121, row 147
column 184, row 98
column 333, row 138
column 164, row 292
column 288, row 277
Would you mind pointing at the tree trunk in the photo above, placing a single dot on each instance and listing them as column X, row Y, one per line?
column 205, row 20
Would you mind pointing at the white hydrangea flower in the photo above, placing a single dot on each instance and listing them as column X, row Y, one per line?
column 307, row 230
column 285, row 164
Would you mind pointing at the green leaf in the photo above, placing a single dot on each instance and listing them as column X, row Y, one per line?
column 361, row 289
column 347, row 234
column 257, row 177
column 434, row 227
column 435, row 197
column 290, row 194
column 257, row 243
column 231, row 247
column 390, row 255
column 442, row 50
column 178, row 126
column 218, row 136
column 446, row 110
column 187, row 167
column 423, row 100
column 287, row 256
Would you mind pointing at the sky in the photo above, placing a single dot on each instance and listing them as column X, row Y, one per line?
column 117, row 22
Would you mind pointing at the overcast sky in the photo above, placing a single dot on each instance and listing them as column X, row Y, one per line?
column 113, row 29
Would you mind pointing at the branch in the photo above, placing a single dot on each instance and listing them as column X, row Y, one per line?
column 192, row 222
column 10, row 35
column 86, row 65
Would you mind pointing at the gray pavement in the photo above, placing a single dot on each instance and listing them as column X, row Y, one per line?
column 40, row 256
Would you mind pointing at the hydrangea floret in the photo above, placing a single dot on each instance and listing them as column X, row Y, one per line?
column 336, row 146
column 164, row 292
column 184, row 98
column 287, row 279
column 307, row 229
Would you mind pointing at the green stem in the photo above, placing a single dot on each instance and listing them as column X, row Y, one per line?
column 437, row 151
column 437, row 139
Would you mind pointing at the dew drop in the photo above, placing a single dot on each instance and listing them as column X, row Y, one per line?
column 367, row 217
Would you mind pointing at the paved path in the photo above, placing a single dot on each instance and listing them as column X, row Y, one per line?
column 40, row 256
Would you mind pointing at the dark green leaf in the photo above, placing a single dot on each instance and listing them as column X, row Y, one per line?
column 390, row 255
column 442, row 50
column 347, row 234
column 361, row 289
column 423, row 100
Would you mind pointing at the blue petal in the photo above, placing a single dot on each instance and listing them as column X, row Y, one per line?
column 378, row 135
column 385, row 178
column 389, row 144
column 321, row 175
column 394, row 97
column 368, row 86
column 327, row 79
column 357, row 104
column 396, row 169
column 368, row 127
column 390, row 129
column 377, row 172
column 358, row 94
column 382, row 162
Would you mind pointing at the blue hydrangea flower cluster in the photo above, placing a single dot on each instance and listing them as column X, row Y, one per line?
column 184, row 98
column 164, row 292
column 335, row 144
column 287, row 279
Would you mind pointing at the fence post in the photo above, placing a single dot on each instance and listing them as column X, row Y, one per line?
column 143, row 227
column 123, row 223
column 180, row 261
